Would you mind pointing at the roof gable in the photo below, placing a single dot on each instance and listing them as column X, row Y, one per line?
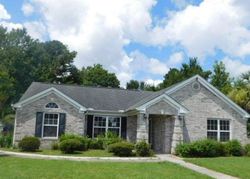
column 213, row 90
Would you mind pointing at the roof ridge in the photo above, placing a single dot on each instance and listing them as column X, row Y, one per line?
column 98, row 87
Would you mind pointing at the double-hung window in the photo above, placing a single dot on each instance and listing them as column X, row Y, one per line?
column 103, row 124
column 50, row 125
column 218, row 129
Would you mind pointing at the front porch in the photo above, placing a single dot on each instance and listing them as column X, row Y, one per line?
column 161, row 124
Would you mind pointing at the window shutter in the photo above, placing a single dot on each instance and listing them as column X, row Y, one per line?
column 124, row 128
column 89, row 125
column 62, row 122
column 39, row 124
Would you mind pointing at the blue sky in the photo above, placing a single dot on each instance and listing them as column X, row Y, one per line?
column 140, row 39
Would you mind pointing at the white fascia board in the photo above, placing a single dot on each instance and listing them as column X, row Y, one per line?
column 168, row 100
column 212, row 89
column 47, row 92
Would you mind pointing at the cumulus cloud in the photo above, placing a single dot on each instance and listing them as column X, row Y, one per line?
column 27, row 9
column 153, row 82
column 235, row 67
column 209, row 26
column 99, row 31
column 3, row 13
column 5, row 17
column 36, row 29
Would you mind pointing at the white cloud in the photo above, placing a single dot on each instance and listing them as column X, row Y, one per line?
column 180, row 3
column 209, row 26
column 27, row 9
column 4, row 17
column 3, row 13
column 235, row 67
column 35, row 29
column 99, row 31
column 175, row 59
column 153, row 82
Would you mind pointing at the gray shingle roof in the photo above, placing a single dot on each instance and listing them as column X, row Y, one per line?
column 93, row 97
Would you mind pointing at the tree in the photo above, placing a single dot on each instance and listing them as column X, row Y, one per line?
column 97, row 76
column 240, row 93
column 24, row 60
column 220, row 77
column 187, row 70
column 133, row 84
column 6, row 89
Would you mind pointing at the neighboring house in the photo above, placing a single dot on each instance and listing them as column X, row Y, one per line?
column 187, row 111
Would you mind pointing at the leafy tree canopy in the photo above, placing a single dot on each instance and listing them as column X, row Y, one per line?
column 97, row 76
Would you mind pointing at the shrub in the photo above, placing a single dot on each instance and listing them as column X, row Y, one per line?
column 83, row 140
column 6, row 140
column 234, row 148
column 142, row 149
column 29, row 144
column 109, row 138
column 69, row 146
column 121, row 149
column 55, row 146
column 247, row 150
column 96, row 143
column 201, row 148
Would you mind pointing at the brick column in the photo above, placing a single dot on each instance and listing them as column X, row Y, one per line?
column 142, row 127
column 177, row 133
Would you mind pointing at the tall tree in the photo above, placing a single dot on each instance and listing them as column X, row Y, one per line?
column 133, row 84
column 97, row 76
column 187, row 70
column 241, row 91
column 27, row 60
column 220, row 77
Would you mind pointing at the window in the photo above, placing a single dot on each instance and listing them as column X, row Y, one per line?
column 51, row 105
column 102, row 124
column 50, row 125
column 218, row 129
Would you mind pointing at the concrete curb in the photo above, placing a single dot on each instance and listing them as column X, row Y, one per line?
column 87, row 159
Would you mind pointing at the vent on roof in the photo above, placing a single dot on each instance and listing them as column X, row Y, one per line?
column 196, row 86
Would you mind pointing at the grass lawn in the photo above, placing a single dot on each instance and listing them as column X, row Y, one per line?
column 235, row 166
column 12, row 167
column 88, row 153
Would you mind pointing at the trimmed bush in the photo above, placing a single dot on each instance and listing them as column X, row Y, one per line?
column 6, row 140
column 121, row 149
column 201, row 148
column 69, row 146
column 96, row 144
column 247, row 150
column 29, row 144
column 142, row 149
column 234, row 148
column 83, row 140
column 55, row 146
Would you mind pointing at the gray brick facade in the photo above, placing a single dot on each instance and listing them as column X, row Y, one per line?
column 26, row 118
column 162, row 122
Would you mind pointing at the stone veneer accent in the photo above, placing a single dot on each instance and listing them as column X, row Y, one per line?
column 203, row 104
column 26, row 118
column 142, row 127
column 131, row 128
column 161, row 133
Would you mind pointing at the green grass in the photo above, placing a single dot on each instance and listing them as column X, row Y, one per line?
column 11, row 167
column 235, row 166
column 88, row 153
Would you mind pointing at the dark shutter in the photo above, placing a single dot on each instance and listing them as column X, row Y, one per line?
column 89, row 125
column 39, row 124
column 62, row 123
column 124, row 128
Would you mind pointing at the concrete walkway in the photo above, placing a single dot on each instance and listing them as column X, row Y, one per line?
column 158, row 158
column 203, row 170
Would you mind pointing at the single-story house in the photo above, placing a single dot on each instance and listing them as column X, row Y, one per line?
column 187, row 111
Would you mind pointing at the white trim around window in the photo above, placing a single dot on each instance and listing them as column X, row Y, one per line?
column 50, row 125
column 218, row 126
column 106, row 126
